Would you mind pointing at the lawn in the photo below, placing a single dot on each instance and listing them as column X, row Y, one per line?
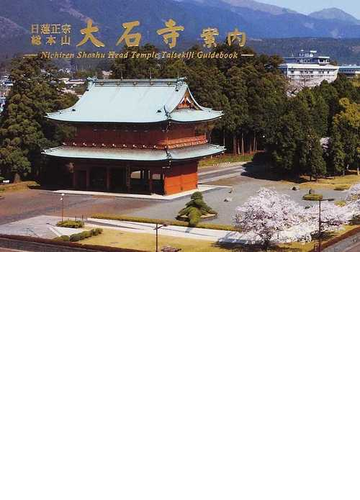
column 18, row 186
column 269, row 173
column 219, row 160
column 146, row 242
column 332, row 182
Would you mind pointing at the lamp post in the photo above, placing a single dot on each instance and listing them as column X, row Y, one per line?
column 62, row 206
column 157, row 227
column 320, row 221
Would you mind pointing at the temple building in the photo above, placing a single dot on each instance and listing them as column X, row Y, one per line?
column 142, row 136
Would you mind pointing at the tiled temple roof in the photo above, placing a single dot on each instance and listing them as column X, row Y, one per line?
column 135, row 101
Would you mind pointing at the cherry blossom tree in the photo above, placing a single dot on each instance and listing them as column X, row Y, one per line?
column 270, row 217
column 266, row 214
column 353, row 193
column 333, row 217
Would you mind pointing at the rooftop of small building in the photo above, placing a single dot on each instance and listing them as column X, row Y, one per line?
column 309, row 65
column 351, row 66
column 144, row 82
column 136, row 101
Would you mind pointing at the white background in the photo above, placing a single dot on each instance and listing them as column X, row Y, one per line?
column 168, row 377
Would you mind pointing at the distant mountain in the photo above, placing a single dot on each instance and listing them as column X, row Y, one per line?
column 257, row 19
column 9, row 29
column 269, row 21
column 345, row 51
column 249, row 4
column 335, row 15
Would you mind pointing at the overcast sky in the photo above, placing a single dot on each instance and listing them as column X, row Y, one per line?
column 307, row 6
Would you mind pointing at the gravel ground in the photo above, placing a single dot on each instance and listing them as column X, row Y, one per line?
column 238, row 192
column 31, row 203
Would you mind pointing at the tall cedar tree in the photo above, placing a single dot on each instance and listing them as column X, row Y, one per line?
column 345, row 139
column 24, row 129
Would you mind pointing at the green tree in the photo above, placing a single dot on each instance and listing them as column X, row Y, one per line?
column 237, row 118
column 346, row 134
column 138, row 64
column 24, row 129
column 285, row 145
column 311, row 158
column 337, row 156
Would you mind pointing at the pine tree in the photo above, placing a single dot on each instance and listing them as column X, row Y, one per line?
column 195, row 208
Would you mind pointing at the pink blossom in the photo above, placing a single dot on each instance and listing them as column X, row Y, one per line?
column 268, row 213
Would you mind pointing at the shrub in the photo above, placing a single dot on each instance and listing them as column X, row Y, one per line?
column 342, row 187
column 72, row 224
column 195, row 209
column 2, row 179
column 63, row 238
column 313, row 197
column 85, row 234
column 340, row 203
column 96, row 231
column 76, row 237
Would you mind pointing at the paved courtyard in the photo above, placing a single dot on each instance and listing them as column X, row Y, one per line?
column 233, row 187
column 225, row 199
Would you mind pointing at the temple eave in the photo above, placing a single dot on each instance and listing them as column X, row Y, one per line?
column 117, row 154
column 203, row 118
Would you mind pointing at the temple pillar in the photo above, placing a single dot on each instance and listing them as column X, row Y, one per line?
column 108, row 178
column 128, row 178
column 88, row 178
column 150, row 181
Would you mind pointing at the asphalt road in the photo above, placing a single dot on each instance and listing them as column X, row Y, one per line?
column 32, row 203
column 353, row 248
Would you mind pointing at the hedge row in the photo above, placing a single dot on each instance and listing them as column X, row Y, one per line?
column 313, row 197
column 80, row 236
column 73, row 224
column 126, row 218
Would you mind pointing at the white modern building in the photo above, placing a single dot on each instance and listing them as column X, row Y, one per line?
column 351, row 71
column 307, row 69
column 5, row 87
column 2, row 103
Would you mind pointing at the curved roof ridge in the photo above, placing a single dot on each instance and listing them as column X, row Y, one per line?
column 144, row 82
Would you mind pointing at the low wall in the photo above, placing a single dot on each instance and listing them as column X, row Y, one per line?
column 29, row 244
column 343, row 242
